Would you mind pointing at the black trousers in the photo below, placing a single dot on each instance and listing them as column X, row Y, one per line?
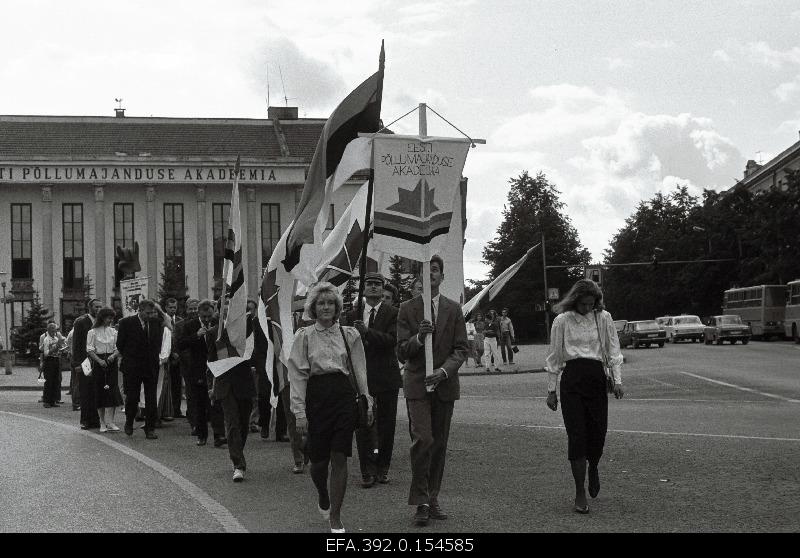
column 280, row 415
column 237, row 425
column 584, row 406
column 175, row 379
column 51, row 370
column 376, row 443
column 203, row 412
column 133, row 383
column 429, row 425
column 88, row 393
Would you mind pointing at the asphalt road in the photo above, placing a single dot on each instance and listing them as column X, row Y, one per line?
column 707, row 439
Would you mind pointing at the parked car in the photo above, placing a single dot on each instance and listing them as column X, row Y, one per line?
column 727, row 327
column 662, row 320
column 684, row 327
column 642, row 333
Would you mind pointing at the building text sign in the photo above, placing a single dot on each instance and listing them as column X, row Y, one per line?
column 148, row 174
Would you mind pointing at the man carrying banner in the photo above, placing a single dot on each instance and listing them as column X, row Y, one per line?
column 429, row 413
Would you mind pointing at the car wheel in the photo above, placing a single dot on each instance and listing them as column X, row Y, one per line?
column 636, row 345
column 708, row 341
column 660, row 343
column 719, row 341
column 733, row 341
column 745, row 341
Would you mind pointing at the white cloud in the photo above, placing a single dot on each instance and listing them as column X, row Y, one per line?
column 617, row 63
column 722, row 56
column 762, row 53
column 796, row 14
column 663, row 44
column 785, row 91
column 790, row 126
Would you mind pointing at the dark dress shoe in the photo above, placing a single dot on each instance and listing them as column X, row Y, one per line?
column 47, row 405
column 84, row 427
column 367, row 481
column 167, row 419
column 219, row 442
column 253, row 429
column 265, row 434
column 437, row 513
column 423, row 515
column 193, row 432
column 201, row 441
column 383, row 478
column 76, row 407
column 151, row 435
column 281, row 438
column 594, row 482
column 139, row 419
column 128, row 429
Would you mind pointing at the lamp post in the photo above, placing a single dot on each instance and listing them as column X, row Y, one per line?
column 7, row 359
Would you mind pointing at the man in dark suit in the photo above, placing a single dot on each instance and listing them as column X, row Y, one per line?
column 192, row 339
column 139, row 342
column 185, row 358
column 377, row 325
column 430, row 412
column 87, row 392
column 263, row 385
column 234, row 390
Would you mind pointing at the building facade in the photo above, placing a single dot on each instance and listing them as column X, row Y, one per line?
column 72, row 189
column 771, row 174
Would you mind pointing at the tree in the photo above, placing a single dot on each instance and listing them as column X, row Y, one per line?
column 173, row 284
column 25, row 338
column 473, row 287
column 533, row 209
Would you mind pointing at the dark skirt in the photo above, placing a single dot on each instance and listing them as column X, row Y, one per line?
column 108, row 376
column 332, row 416
column 584, row 406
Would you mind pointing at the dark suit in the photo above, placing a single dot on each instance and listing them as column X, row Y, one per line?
column 140, row 357
column 429, row 414
column 234, row 390
column 263, row 385
column 194, row 353
column 86, row 388
column 175, row 370
column 384, row 381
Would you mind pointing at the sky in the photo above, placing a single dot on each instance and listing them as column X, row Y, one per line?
column 613, row 101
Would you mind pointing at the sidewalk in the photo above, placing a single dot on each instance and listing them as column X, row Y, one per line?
column 529, row 359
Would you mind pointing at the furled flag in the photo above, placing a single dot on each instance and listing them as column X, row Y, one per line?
column 234, row 343
column 493, row 288
column 417, row 182
column 358, row 113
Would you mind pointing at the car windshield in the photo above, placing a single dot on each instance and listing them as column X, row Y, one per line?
column 646, row 325
column 619, row 324
column 688, row 320
column 729, row 320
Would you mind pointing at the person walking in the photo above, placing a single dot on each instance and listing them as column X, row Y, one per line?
column 377, row 324
column 430, row 412
column 101, row 346
column 87, row 397
column 51, row 344
column 325, row 360
column 507, row 337
column 583, row 337
column 185, row 364
column 491, row 333
column 175, row 379
column 480, row 327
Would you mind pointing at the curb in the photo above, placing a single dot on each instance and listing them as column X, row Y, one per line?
column 504, row 372
column 28, row 388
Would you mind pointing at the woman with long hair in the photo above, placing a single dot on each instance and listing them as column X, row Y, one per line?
column 582, row 339
column 325, row 360
column 101, row 348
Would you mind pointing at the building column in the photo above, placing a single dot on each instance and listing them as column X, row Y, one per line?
column 253, row 255
column 47, row 249
column 152, row 250
column 100, row 270
column 202, row 244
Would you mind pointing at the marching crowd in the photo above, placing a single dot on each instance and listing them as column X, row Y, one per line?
column 345, row 371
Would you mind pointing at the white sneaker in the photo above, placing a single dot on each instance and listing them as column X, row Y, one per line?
column 113, row 427
column 238, row 475
column 103, row 428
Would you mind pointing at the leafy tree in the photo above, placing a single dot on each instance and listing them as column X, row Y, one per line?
column 473, row 287
column 533, row 209
column 25, row 338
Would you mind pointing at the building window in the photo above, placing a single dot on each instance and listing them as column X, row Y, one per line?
column 270, row 230
column 19, row 312
column 173, row 241
column 72, row 227
column 331, row 219
column 123, row 234
column 21, row 262
column 220, row 217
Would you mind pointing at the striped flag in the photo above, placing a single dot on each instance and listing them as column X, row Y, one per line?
column 358, row 113
column 234, row 343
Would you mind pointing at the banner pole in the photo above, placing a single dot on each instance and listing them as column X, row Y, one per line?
column 426, row 268
column 362, row 265
column 546, row 295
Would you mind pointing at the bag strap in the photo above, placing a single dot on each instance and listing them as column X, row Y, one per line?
column 600, row 338
column 352, row 373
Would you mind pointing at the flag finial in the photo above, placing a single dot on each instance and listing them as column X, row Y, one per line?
column 382, row 58
column 236, row 167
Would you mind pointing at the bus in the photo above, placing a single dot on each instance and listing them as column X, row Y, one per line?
column 762, row 307
column 791, row 321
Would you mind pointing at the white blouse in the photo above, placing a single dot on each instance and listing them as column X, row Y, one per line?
column 101, row 340
column 166, row 344
column 575, row 336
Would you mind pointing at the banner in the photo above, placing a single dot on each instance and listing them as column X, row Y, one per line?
column 417, row 183
column 131, row 292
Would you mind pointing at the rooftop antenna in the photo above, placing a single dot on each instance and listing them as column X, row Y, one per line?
column 285, row 98
column 119, row 102
column 759, row 157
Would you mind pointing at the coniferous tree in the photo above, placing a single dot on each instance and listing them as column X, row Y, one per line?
column 25, row 338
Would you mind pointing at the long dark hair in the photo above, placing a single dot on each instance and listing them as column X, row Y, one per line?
column 581, row 288
column 102, row 314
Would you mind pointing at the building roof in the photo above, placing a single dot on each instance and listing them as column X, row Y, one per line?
column 777, row 163
column 97, row 137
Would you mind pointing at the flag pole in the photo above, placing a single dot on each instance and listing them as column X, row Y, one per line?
column 546, row 295
column 426, row 267
column 227, row 263
column 362, row 265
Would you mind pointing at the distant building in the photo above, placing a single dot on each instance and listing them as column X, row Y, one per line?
column 72, row 188
column 758, row 178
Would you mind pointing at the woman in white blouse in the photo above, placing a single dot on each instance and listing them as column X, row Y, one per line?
column 582, row 338
column 323, row 400
column 101, row 348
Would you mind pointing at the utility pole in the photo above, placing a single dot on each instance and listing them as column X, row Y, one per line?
column 546, row 315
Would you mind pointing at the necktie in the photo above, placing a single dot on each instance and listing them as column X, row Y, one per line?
column 433, row 315
column 371, row 323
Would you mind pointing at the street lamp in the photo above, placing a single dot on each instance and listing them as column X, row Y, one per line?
column 7, row 359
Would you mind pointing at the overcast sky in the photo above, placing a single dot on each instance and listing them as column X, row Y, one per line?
column 614, row 101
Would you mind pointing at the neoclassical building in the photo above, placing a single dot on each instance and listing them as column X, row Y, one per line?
column 74, row 188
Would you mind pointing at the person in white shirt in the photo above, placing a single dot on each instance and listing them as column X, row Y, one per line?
column 583, row 338
column 51, row 344
column 101, row 348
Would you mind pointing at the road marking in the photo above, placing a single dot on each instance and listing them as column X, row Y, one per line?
column 627, row 398
column 694, row 434
column 219, row 512
column 740, row 388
